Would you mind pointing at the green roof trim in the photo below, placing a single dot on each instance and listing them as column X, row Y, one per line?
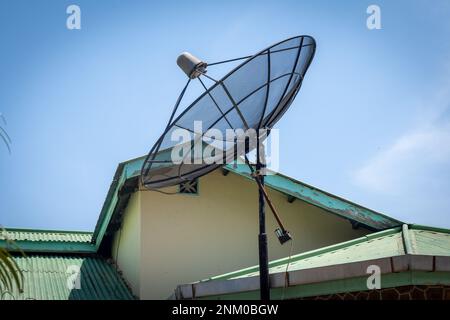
column 46, row 278
column 125, row 170
column 48, row 241
column 321, row 199
column 292, row 188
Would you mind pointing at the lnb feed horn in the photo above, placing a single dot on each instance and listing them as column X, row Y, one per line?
column 191, row 65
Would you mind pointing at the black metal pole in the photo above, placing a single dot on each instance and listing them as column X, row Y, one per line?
column 262, row 238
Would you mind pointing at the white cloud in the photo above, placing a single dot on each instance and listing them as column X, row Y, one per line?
column 412, row 158
column 406, row 160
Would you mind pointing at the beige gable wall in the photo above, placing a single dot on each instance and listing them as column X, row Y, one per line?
column 126, row 247
column 185, row 238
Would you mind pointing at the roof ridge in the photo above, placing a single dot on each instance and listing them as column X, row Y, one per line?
column 412, row 237
column 407, row 244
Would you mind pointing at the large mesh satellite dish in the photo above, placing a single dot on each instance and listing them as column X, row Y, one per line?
column 252, row 96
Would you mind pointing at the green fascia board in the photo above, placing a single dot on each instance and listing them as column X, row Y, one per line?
column 333, row 204
column 390, row 280
column 125, row 171
column 48, row 246
column 306, row 255
column 321, row 199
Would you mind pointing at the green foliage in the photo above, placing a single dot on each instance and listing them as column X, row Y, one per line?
column 3, row 135
column 10, row 275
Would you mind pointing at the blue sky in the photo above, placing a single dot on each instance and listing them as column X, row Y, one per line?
column 371, row 123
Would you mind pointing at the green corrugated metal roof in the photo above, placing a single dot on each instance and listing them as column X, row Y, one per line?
column 47, row 241
column 418, row 240
column 430, row 241
column 45, row 235
column 46, row 277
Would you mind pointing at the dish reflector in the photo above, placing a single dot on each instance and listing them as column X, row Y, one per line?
column 253, row 95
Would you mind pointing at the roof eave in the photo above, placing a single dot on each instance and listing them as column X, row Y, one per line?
column 336, row 205
column 396, row 271
column 125, row 170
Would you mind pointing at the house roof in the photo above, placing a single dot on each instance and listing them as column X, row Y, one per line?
column 47, row 258
column 46, row 277
column 415, row 239
column 48, row 241
column 126, row 181
column 45, row 235
column 412, row 249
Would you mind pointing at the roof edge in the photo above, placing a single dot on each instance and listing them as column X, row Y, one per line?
column 308, row 254
column 404, row 270
column 329, row 202
column 125, row 170
column 46, row 231
column 404, row 229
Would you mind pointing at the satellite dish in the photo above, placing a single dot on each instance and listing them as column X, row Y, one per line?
column 251, row 97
